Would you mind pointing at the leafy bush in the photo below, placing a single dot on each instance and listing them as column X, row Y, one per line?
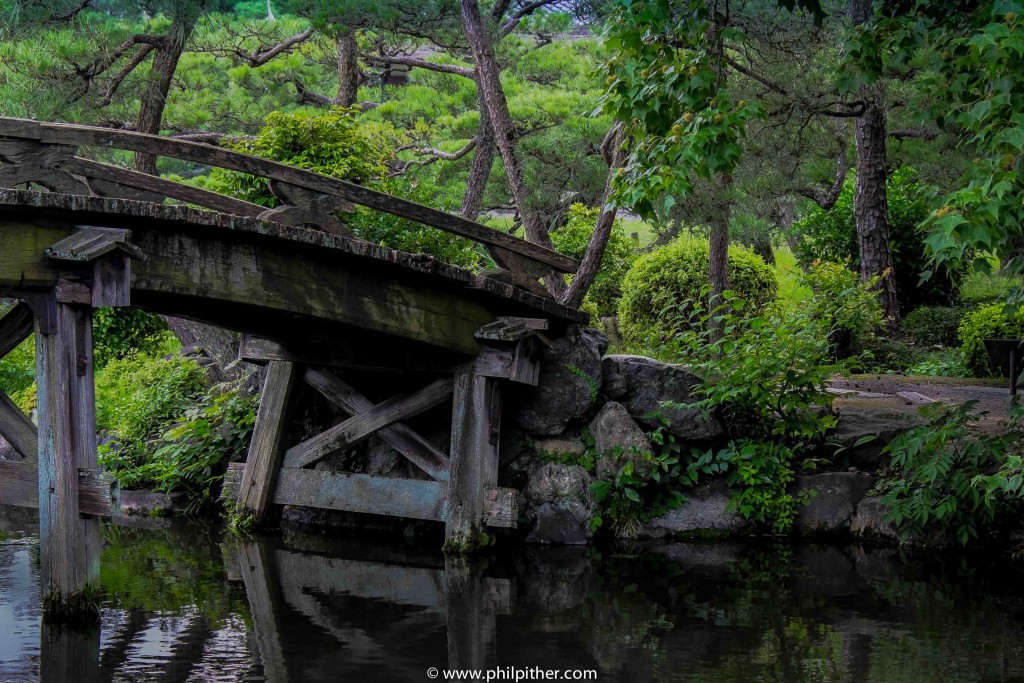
column 766, row 379
column 841, row 303
column 832, row 235
column 116, row 332
column 933, row 324
column 987, row 322
column 944, row 476
column 644, row 487
column 18, row 368
column 337, row 145
column 136, row 397
column 572, row 240
column 672, row 278
column 943, row 363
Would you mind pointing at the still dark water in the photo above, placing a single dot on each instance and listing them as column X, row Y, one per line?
column 187, row 603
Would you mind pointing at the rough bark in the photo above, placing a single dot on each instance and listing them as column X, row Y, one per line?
column 348, row 69
column 870, row 204
column 489, row 81
column 483, row 161
column 718, row 249
column 591, row 262
column 154, row 97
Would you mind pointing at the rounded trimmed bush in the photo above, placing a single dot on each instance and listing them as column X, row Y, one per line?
column 667, row 279
column 987, row 322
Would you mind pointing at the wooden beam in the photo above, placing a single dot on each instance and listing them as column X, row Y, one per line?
column 168, row 188
column 357, row 352
column 357, row 428
column 255, row 566
column 15, row 327
column 69, row 134
column 476, row 410
column 265, row 449
column 368, row 494
column 69, row 545
column 98, row 492
column 410, row 444
column 17, row 429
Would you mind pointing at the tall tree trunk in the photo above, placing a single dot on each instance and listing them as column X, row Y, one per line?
column 870, row 204
column 718, row 251
column 483, row 161
column 348, row 68
column 154, row 97
column 489, row 82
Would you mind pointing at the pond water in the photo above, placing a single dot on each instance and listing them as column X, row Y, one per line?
column 188, row 603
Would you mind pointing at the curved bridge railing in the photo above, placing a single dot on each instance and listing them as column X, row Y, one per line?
column 46, row 154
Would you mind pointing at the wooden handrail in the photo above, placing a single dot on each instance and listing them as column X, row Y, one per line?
column 88, row 136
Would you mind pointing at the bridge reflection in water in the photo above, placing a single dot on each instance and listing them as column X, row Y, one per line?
column 186, row 604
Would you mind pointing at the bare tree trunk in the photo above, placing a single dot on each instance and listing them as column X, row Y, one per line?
column 483, row 161
column 348, row 68
column 591, row 263
column 870, row 203
column 489, row 82
column 154, row 97
column 718, row 252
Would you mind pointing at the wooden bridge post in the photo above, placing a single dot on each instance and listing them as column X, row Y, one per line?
column 69, row 542
column 266, row 451
column 476, row 415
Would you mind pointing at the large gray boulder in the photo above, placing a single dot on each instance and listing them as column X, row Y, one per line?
column 833, row 501
column 558, row 502
column 859, row 421
column 704, row 513
column 570, row 377
column 558, row 525
column 869, row 524
column 643, row 384
column 617, row 439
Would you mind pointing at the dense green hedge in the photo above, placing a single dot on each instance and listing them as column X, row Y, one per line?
column 933, row 324
column 665, row 282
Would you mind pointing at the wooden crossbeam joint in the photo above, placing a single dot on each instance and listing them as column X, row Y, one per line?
column 98, row 266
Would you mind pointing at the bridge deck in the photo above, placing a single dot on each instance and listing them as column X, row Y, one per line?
column 281, row 282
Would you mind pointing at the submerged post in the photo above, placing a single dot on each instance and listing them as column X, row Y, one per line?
column 69, row 541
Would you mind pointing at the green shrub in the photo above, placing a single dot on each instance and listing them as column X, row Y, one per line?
column 670, row 279
column 136, row 397
column 766, row 379
column 572, row 240
column 987, row 322
column 933, row 324
column 116, row 332
column 832, row 235
column 336, row 144
column 840, row 301
column 18, row 368
column 944, row 478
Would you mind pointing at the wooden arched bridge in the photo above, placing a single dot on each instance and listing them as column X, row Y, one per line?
column 308, row 298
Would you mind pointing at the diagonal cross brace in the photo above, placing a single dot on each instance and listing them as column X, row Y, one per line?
column 411, row 445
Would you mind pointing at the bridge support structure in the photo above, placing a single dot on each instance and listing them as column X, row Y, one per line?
column 462, row 486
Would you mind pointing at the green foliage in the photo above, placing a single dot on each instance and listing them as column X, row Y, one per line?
column 832, row 236
column 644, row 487
column 671, row 278
column 942, row 470
column 684, row 122
column 18, row 368
column 933, row 324
column 987, row 322
column 136, row 398
column 944, row 363
column 840, row 301
column 116, row 332
column 572, row 240
column 767, row 379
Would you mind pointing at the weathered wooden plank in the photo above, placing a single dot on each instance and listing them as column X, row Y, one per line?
column 360, row 352
column 89, row 242
column 65, row 134
column 518, row 362
column 68, row 545
column 168, row 188
column 15, row 327
column 474, row 457
column 383, row 496
column 410, row 444
column 471, row 622
column 98, row 492
column 67, row 653
column 17, row 429
column 357, row 428
column 265, row 449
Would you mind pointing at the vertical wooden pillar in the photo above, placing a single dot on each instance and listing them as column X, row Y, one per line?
column 266, row 448
column 476, row 412
column 256, row 568
column 68, row 653
column 69, row 542
column 471, row 622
